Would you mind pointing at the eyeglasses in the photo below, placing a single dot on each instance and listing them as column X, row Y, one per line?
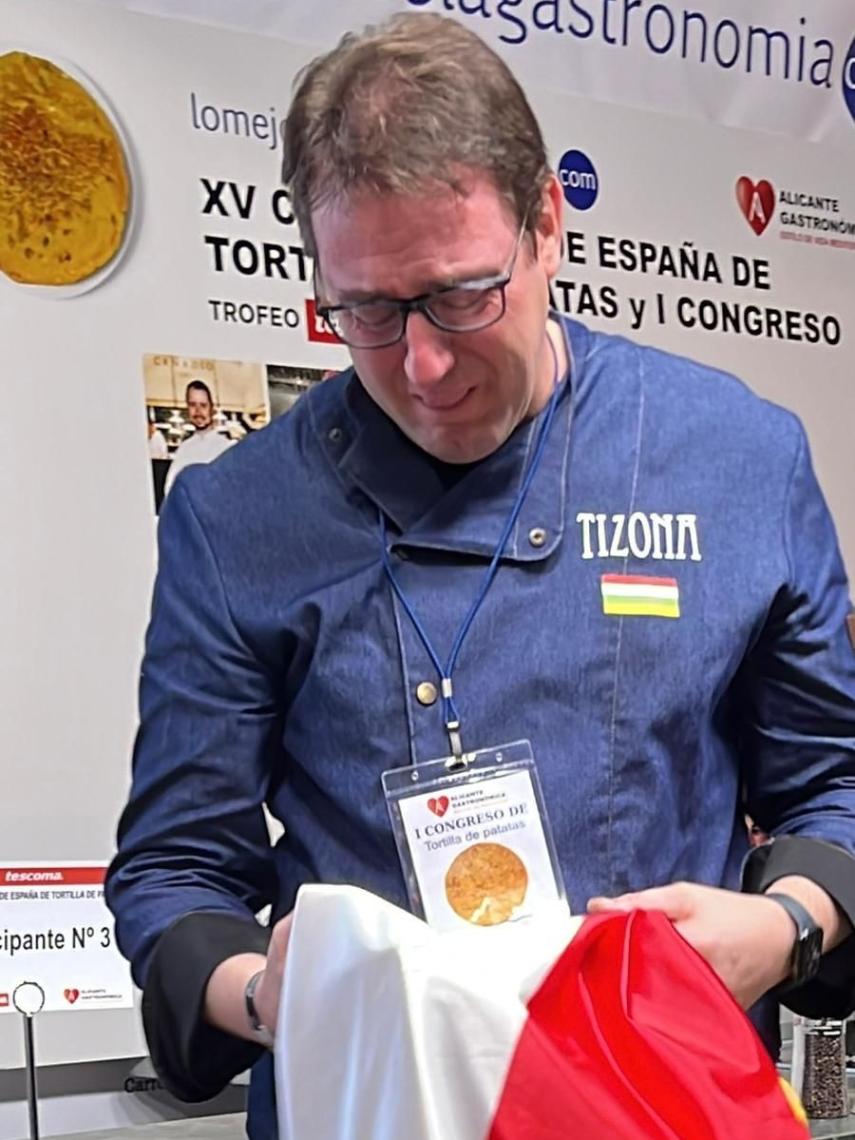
column 468, row 306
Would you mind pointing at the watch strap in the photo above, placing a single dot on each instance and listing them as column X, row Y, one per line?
column 260, row 1031
column 807, row 948
column 800, row 915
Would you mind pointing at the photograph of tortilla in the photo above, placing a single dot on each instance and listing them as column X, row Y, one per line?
column 486, row 883
column 64, row 184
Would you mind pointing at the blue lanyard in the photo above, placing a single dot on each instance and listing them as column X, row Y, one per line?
column 451, row 717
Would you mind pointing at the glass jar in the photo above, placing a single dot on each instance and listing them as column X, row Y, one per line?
column 819, row 1066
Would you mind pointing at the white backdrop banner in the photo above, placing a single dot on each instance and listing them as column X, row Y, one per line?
column 778, row 65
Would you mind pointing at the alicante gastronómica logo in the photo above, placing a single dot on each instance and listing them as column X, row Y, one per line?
column 578, row 179
column 849, row 79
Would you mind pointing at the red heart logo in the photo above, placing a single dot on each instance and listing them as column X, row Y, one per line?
column 71, row 996
column 438, row 806
column 757, row 202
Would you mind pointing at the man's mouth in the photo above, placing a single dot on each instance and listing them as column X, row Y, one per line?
column 445, row 403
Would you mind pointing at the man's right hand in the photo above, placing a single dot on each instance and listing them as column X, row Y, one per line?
column 225, row 1005
column 269, row 988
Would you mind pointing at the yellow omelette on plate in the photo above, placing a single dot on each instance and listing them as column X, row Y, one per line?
column 64, row 185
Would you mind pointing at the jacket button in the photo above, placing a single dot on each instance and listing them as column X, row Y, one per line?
column 537, row 536
column 426, row 693
column 334, row 435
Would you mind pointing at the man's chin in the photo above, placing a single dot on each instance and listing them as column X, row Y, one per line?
column 448, row 448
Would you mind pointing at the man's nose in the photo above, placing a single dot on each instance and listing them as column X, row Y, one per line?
column 428, row 358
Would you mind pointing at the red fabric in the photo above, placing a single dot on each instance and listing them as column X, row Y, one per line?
column 633, row 1036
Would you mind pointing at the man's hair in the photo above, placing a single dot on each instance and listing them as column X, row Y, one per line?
column 403, row 107
column 198, row 386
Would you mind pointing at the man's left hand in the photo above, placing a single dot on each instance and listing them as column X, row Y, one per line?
column 747, row 939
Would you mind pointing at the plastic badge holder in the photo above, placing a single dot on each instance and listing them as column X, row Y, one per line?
column 473, row 838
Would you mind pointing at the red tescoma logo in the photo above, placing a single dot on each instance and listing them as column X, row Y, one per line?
column 318, row 331
column 4, row 1001
column 757, row 202
column 438, row 805
column 71, row 995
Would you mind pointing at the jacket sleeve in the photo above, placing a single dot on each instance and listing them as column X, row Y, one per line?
column 193, row 836
column 798, row 740
column 832, row 992
column 193, row 1059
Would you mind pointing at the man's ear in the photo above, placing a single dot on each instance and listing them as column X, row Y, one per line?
column 550, row 227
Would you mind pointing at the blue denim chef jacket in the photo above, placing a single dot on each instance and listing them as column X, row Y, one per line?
column 279, row 667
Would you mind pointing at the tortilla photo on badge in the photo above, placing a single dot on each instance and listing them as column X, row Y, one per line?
column 486, row 883
column 65, row 178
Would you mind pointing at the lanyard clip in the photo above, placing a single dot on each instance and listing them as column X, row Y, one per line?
column 452, row 727
column 457, row 758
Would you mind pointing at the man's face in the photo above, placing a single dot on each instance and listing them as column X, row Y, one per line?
column 457, row 395
column 199, row 409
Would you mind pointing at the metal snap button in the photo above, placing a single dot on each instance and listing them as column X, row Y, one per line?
column 334, row 434
column 537, row 536
column 426, row 693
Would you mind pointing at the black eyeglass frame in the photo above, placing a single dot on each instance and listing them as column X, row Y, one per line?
column 421, row 303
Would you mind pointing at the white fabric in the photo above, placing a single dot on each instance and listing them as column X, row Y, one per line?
column 201, row 447
column 388, row 1029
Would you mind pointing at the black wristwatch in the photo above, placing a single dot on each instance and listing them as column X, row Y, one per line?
column 807, row 950
column 261, row 1033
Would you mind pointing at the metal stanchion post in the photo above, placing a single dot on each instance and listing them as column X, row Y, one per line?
column 32, row 1086
column 29, row 999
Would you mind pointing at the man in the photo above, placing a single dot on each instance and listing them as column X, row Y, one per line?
column 206, row 443
column 283, row 667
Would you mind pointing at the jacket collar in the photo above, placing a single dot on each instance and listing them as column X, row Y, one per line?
column 400, row 479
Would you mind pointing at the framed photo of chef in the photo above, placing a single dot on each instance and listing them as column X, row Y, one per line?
column 197, row 408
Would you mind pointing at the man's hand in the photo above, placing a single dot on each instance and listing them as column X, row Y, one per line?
column 747, row 939
column 269, row 986
column 225, row 1006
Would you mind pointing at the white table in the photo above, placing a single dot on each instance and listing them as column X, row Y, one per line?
column 230, row 1127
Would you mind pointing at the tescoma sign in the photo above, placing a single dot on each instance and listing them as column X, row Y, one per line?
column 57, row 932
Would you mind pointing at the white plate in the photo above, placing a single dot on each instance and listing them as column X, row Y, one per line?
column 62, row 292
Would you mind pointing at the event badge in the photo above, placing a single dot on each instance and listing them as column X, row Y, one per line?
column 473, row 837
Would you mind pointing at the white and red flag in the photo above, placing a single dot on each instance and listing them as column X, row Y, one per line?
column 610, row 1028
